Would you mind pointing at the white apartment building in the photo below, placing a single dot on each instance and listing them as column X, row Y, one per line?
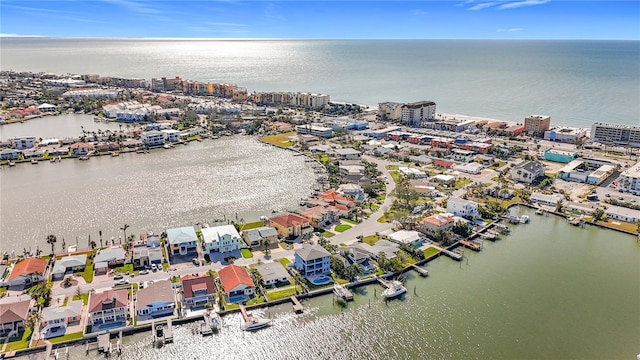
column 171, row 135
column 415, row 114
column 527, row 172
column 221, row 239
column 630, row 179
column 567, row 135
column 616, row 134
column 462, row 207
column 152, row 138
column 25, row 142
column 311, row 101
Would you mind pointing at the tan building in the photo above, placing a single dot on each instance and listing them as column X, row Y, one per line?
column 536, row 125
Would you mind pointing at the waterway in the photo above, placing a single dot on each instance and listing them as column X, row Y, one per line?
column 58, row 126
column 198, row 183
column 547, row 291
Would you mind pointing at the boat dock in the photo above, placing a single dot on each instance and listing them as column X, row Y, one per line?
column 502, row 228
column 471, row 245
column 297, row 306
column 243, row 312
column 168, row 332
column 104, row 343
column 342, row 292
column 383, row 282
column 422, row 271
column 455, row 255
column 205, row 327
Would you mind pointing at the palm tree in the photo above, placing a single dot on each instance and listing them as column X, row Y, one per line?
column 265, row 242
column 51, row 240
column 124, row 230
column 100, row 234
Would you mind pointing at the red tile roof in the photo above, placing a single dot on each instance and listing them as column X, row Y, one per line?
column 289, row 220
column 191, row 283
column 334, row 197
column 443, row 163
column 97, row 300
column 233, row 275
column 28, row 266
column 437, row 219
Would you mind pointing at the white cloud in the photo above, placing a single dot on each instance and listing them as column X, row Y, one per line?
column 419, row 12
column 483, row 5
column 19, row 35
column 517, row 4
column 510, row 30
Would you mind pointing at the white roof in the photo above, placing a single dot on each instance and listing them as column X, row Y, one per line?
column 215, row 234
column 442, row 177
column 406, row 236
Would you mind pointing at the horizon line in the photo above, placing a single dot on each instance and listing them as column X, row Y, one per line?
column 164, row 38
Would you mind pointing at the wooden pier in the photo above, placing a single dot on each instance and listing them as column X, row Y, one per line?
column 168, row 332
column 342, row 292
column 104, row 343
column 422, row 271
column 297, row 306
column 455, row 255
column 471, row 245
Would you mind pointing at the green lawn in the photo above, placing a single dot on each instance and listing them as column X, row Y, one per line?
column 255, row 300
column 285, row 262
column 252, row 225
column 430, row 251
column 87, row 274
column 328, row 233
column 339, row 280
column 281, row 140
column 382, row 219
column 66, row 337
column 281, row 293
column 342, row 227
column 246, row 253
column 84, row 297
column 374, row 207
column 21, row 343
column 371, row 239
column 125, row 268
column 349, row 221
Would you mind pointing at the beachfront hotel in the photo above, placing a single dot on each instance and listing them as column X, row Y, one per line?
column 616, row 134
column 536, row 125
column 415, row 114
column 630, row 179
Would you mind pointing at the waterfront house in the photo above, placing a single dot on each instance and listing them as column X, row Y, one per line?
column 272, row 273
column 546, row 199
column 68, row 264
column 236, row 283
column 14, row 311
column 55, row 320
column 81, row 149
column 171, row 135
column 147, row 252
column 407, row 237
column 27, row 272
column 527, row 172
column 254, row 237
column 108, row 258
column 108, row 309
column 311, row 260
column 182, row 240
column 321, row 216
column 411, row 172
column 357, row 255
column 469, row 168
column 9, row 154
column 352, row 173
column 431, row 224
column 622, row 214
column 290, row 224
column 155, row 301
column 462, row 207
column 46, row 108
column 198, row 291
column 152, row 138
column 25, row 142
column 221, row 239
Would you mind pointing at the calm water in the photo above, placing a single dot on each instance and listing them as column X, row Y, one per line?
column 166, row 188
column 575, row 82
column 547, row 291
column 59, row 126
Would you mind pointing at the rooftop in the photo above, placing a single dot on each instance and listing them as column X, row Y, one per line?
column 28, row 266
column 233, row 275
column 312, row 252
column 158, row 292
column 272, row 271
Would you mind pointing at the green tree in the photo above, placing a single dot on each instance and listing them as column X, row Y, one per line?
column 51, row 240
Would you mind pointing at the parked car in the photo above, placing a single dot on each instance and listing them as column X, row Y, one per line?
column 154, row 267
column 122, row 282
column 118, row 277
column 195, row 261
column 144, row 272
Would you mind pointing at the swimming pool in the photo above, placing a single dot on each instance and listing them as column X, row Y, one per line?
column 320, row 279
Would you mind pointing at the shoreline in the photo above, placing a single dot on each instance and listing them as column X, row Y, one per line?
column 131, row 330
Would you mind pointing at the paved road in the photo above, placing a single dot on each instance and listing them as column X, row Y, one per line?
column 371, row 225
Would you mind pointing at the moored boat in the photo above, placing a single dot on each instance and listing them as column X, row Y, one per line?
column 34, row 161
column 216, row 321
column 251, row 322
column 524, row 219
column 394, row 289
column 11, row 163
column 539, row 212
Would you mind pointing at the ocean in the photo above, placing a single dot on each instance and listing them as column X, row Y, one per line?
column 575, row 82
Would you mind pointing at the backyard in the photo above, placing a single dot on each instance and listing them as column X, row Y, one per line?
column 282, row 140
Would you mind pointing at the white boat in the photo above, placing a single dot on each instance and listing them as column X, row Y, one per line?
column 34, row 161
column 524, row 219
column 394, row 289
column 539, row 212
column 166, row 146
column 252, row 322
column 11, row 163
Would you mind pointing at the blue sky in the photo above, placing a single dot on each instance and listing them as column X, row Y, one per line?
column 464, row 19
